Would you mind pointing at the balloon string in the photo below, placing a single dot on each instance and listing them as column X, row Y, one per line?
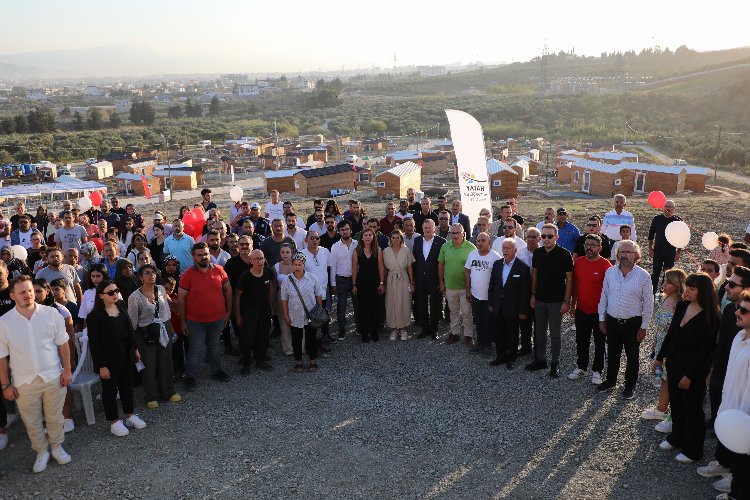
column 692, row 256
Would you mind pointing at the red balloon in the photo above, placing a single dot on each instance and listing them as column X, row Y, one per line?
column 199, row 213
column 187, row 227
column 98, row 243
column 189, row 218
column 199, row 228
column 657, row 199
column 96, row 198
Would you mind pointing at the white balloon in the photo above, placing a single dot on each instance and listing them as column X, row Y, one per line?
column 236, row 193
column 19, row 252
column 733, row 430
column 710, row 240
column 678, row 234
column 84, row 203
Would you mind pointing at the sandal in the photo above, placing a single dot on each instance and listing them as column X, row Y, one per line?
column 313, row 366
column 298, row 368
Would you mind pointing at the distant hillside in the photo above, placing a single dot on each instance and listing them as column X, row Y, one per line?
column 16, row 71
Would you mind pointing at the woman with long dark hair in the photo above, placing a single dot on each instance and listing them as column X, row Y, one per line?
column 97, row 274
column 128, row 231
column 113, row 350
column 171, row 269
column 368, row 273
column 125, row 279
column 332, row 208
column 687, row 348
column 156, row 247
column 138, row 245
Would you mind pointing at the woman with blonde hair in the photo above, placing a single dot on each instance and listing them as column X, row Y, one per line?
column 397, row 260
column 673, row 291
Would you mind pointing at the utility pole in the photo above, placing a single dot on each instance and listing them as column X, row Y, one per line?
column 718, row 146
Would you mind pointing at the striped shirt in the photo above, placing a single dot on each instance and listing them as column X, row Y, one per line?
column 309, row 287
column 628, row 296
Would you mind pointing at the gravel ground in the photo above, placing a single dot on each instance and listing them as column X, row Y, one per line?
column 415, row 419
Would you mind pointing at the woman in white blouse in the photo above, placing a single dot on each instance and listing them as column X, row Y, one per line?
column 283, row 268
column 97, row 274
column 312, row 292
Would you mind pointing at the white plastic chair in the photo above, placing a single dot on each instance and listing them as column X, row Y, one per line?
column 84, row 377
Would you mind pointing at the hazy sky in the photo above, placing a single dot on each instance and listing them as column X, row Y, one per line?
column 282, row 35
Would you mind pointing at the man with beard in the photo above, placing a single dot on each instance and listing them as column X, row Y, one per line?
column 204, row 303
column 218, row 256
column 271, row 246
column 180, row 245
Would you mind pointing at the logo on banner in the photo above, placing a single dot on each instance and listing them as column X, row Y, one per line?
column 473, row 187
column 471, row 178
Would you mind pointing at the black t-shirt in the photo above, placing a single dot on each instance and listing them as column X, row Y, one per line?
column 415, row 207
column 6, row 304
column 272, row 249
column 657, row 233
column 327, row 241
column 234, row 268
column 727, row 332
column 580, row 250
column 255, row 290
column 550, row 273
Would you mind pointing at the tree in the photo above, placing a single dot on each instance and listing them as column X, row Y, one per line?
column 78, row 123
column 22, row 125
column 66, row 112
column 5, row 157
column 148, row 115
column 7, row 126
column 214, row 108
column 94, row 119
column 193, row 110
column 114, row 120
column 135, row 113
column 175, row 111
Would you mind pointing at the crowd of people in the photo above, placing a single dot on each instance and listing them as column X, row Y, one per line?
column 154, row 302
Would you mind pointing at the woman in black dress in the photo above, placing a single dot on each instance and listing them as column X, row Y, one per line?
column 687, row 348
column 367, row 276
column 114, row 351
column 156, row 246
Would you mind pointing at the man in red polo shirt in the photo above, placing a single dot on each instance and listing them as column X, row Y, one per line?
column 588, row 279
column 204, row 302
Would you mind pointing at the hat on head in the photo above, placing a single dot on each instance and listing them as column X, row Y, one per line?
column 561, row 210
column 299, row 256
column 158, row 217
column 255, row 205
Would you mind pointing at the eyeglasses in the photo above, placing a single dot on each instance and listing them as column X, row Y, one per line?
column 456, row 233
column 243, row 244
column 112, row 293
column 314, row 237
column 732, row 284
column 592, row 245
column 258, row 258
column 743, row 310
column 443, row 218
column 547, row 236
column 591, row 225
column 509, row 227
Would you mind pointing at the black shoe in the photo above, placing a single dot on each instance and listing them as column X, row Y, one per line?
column 628, row 393
column 365, row 339
column 189, row 384
column 554, row 370
column 510, row 365
column 221, row 376
column 434, row 336
column 267, row 357
column 536, row 365
column 606, row 386
column 375, row 338
column 476, row 350
column 496, row 362
column 265, row 366
column 423, row 334
column 231, row 351
column 524, row 352
column 341, row 337
column 245, row 370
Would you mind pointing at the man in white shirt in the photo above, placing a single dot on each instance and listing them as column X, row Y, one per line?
column 274, row 208
column 216, row 254
column 478, row 269
column 34, row 337
column 549, row 218
column 528, row 324
column 317, row 263
column 293, row 231
column 341, row 275
column 509, row 232
column 616, row 218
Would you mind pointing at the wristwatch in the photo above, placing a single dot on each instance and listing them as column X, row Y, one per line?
column 5, row 386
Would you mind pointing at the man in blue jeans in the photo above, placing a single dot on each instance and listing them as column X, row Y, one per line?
column 341, row 274
column 204, row 302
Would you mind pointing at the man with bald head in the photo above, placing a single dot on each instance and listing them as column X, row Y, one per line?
column 427, row 298
column 509, row 296
column 659, row 249
column 451, row 263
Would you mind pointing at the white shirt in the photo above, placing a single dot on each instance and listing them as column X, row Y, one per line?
column 497, row 245
column 525, row 255
column 87, row 303
column 274, row 211
column 320, row 228
column 298, row 236
column 748, row 229
column 409, row 241
column 507, row 266
column 480, row 271
column 736, row 392
column 25, row 238
column 613, row 221
column 318, row 264
column 541, row 224
column 427, row 246
column 150, row 231
column 32, row 344
column 341, row 259
column 628, row 296
column 222, row 259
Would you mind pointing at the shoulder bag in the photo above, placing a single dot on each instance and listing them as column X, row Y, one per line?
column 318, row 314
column 151, row 332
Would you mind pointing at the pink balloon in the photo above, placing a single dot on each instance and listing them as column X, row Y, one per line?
column 657, row 199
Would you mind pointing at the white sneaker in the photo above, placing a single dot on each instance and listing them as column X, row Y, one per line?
column 596, row 378
column 403, row 335
column 41, row 462
column 666, row 446
column 723, row 496
column 3, row 439
column 573, row 327
column 394, row 334
column 12, row 418
column 724, row 484
column 713, row 469
column 135, row 421
column 119, row 429
column 576, row 374
column 68, row 425
column 61, row 455
column 664, row 426
column 683, row 459
column 653, row 414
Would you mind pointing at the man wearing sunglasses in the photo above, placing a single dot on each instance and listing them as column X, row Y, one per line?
column 330, row 235
column 593, row 226
column 551, row 289
column 509, row 233
column 737, row 285
column 735, row 393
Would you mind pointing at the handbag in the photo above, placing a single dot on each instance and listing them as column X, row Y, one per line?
column 152, row 332
column 318, row 314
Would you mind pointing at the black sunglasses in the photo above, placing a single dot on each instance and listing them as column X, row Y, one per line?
column 547, row 236
column 112, row 293
column 743, row 310
column 732, row 284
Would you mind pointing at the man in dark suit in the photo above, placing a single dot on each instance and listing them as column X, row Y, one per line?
column 460, row 218
column 509, row 296
column 427, row 295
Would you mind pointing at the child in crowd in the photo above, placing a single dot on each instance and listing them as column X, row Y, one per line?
column 180, row 342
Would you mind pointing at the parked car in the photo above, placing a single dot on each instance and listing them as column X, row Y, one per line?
column 352, row 158
column 90, row 161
